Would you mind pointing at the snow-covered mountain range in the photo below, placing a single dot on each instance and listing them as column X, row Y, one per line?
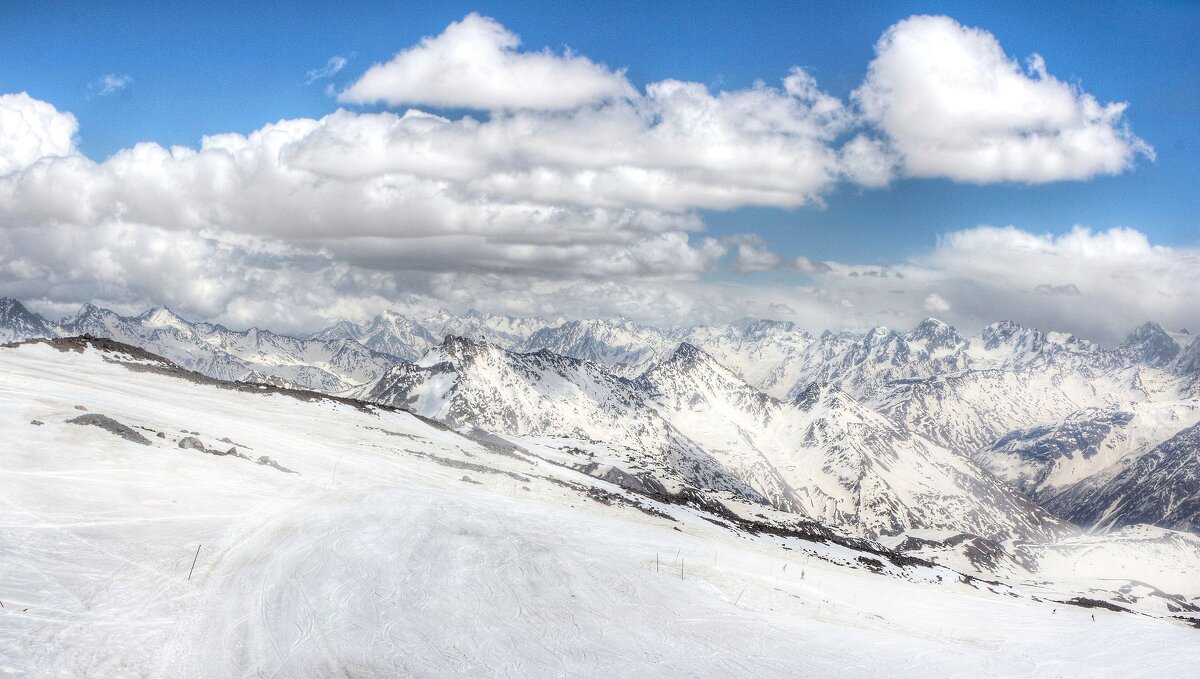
column 157, row 522
column 876, row 433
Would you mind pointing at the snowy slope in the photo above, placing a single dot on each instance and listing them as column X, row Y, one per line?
column 1004, row 388
column 769, row 355
column 378, row 558
column 690, row 423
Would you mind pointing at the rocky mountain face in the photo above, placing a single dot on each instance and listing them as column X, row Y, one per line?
column 388, row 333
column 844, row 464
column 504, row 331
column 622, row 346
column 690, row 424
column 18, row 323
column 1160, row 486
column 879, row 432
column 1045, row 460
column 577, row 407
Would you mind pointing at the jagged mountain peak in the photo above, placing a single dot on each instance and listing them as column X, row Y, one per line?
column 688, row 353
column 12, row 309
column 823, row 393
column 935, row 336
column 1145, row 331
column 1004, row 332
column 931, row 328
column 88, row 310
column 18, row 323
column 1151, row 345
column 879, row 333
column 162, row 317
column 456, row 349
column 752, row 327
column 619, row 344
column 692, row 373
column 389, row 332
column 8, row 306
column 1188, row 360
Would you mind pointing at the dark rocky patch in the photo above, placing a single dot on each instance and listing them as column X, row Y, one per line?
column 110, row 425
column 1084, row 602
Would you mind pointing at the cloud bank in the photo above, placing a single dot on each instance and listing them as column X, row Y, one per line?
column 566, row 189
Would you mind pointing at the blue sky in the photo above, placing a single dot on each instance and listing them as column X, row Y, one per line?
column 235, row 67
column 218, row 67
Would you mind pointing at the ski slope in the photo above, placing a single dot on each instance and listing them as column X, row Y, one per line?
column 399, row 548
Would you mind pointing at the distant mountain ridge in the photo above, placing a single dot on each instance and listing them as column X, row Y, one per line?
column 818, row 425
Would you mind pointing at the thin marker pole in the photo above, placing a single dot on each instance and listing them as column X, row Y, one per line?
column 194, row 562
column 739, row 598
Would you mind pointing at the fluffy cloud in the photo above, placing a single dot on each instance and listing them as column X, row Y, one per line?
column 475, row 64
column 936, row 304
column 608, row 190
column 584, row 205
column 754, row 256
column 31, row 130
column 953, row 104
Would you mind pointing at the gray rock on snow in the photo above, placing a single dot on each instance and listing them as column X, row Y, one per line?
column 266, row 460
column 192, row 443
column 110, row 425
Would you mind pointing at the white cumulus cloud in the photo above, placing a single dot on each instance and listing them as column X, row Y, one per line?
column 31, row 130
column 954, row 104
column 475, row 63
column 935, row 303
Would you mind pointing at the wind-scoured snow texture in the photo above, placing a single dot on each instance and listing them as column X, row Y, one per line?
column 377, row 560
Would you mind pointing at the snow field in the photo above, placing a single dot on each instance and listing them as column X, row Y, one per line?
column 376, row 560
